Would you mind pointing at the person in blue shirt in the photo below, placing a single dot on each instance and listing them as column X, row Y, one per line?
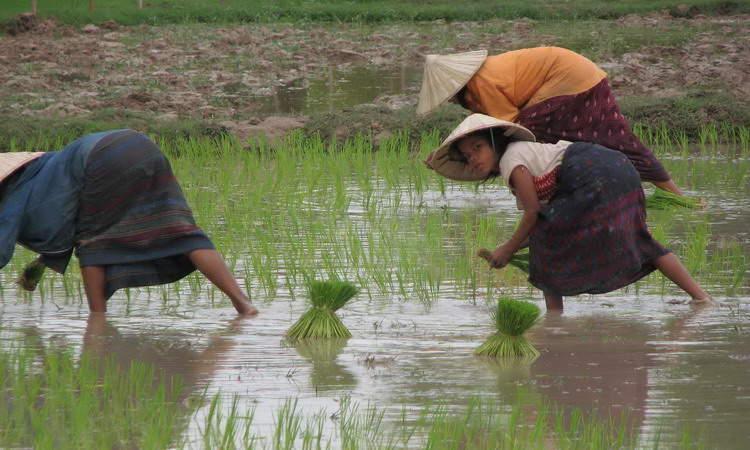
column 113, row 199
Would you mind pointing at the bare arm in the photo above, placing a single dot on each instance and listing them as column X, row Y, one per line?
column 521, row 181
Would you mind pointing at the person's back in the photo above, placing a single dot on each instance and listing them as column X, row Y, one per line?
column 509, row 82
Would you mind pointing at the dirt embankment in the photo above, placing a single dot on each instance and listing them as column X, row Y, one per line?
column 221, row 74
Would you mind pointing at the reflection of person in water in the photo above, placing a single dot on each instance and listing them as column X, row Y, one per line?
column 597, row 363
column 600, row 363
column 173, row 358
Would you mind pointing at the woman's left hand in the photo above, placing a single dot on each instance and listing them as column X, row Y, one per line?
column 501, row 256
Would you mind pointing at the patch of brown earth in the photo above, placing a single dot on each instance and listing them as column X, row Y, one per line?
column 196, row 72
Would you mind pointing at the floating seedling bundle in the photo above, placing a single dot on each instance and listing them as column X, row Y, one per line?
column 662, row 199
column 520, row 259
column 512, row 318
column 31, row 275
column 320, row 321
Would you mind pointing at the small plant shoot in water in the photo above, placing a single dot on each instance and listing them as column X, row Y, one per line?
column 320, row 321
column 512, row 318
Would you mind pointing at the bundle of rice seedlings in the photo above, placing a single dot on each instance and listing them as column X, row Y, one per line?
column 662, row 199
column 31, row 274
column 512, row 318
column 520, row 259
column 320, row 321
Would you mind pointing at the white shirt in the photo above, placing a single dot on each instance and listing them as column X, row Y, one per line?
column 542, row 161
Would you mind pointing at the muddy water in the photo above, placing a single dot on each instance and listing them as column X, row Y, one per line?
column 339, row 89
column 667, row 365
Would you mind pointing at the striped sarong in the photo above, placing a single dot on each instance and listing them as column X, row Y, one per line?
column 592, row 237
column 132, row 216
column 591, row 116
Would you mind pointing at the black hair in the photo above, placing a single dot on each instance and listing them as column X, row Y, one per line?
column 461, row 98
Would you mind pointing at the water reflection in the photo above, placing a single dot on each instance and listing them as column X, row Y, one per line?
column 613, row 367
column 175, row 356
column 326, row 373
column 597, row 364
column 339, row 89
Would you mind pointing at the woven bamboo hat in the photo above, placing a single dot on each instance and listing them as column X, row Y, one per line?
column 440, row 161
column 12, row 161
column 445, row 75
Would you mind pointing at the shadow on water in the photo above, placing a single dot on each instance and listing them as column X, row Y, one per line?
column 338, row 90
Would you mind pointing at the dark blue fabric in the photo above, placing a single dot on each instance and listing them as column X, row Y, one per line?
column 38, row 209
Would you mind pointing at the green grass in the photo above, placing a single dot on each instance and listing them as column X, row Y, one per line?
column 480, row 424
column 190, row 11
column 49, row 399
column 307, row 209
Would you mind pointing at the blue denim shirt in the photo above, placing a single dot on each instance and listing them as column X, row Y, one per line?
column 39, row 208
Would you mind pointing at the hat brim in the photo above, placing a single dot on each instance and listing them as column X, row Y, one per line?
column 11, row 162
column 439, row 160
column 445, row 76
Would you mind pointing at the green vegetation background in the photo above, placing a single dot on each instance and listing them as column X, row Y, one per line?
column 685, row 114
column 155, row 12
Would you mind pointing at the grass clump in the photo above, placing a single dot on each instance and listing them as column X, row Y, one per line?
column 31, row 275
column 320, row 321
column 519, row 260
column 512, row 318
column 666, row 200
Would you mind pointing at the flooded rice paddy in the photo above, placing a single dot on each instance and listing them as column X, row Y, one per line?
column 307, row 210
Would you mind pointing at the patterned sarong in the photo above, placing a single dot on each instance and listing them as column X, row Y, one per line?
column 591, row 116
column 132, row 216
column 592, row 236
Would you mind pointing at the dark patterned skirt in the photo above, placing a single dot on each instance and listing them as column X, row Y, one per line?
column 592, row 236
column 591, row 116
column 132, row 216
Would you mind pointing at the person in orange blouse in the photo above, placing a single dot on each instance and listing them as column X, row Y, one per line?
column 554, row 92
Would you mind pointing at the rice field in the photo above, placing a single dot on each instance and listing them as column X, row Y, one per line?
column 303, row 209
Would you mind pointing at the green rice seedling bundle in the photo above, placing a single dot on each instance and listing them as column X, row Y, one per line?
column 320, row 321
column 662, row 199
column 512, row 318
column 519, row 260
column 31, row 275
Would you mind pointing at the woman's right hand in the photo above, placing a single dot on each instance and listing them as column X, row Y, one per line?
column 501, row 256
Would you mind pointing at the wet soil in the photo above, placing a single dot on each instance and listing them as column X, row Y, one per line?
column 235, row 75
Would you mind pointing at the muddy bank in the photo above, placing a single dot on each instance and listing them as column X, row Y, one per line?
column 224, row 77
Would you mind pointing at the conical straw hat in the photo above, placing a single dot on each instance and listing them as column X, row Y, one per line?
column 439, row 160
column 12, row 161
column 445, row 75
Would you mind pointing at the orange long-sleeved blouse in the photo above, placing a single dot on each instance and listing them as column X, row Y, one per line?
column 509, row 82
